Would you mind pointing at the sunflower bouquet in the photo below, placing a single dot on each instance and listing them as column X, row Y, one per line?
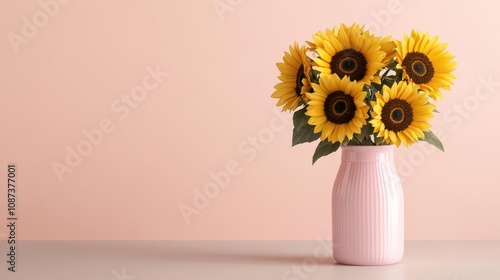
column 350, row 87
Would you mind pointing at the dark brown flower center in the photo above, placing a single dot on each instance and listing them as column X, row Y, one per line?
column 349, row 62
column 339, row 107
column 418, row 67
column 298, row 80
column 397, row 115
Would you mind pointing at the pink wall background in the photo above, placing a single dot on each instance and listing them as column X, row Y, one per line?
column 88, row 62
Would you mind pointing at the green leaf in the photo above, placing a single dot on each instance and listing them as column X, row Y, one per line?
column 392, row 64
column 399, row 75
column 370, row 92
column 389, row 81
column 325, row 148
column 378, row 87
column 367, row 142
column 302, row 131
column 300, row 116
column 435, row 111
column 314, row 76
column 432, row 139
column 379, row 141
column 366, row 130
column 347, row 141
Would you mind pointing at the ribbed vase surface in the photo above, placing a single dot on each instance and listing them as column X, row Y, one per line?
column 367, row 207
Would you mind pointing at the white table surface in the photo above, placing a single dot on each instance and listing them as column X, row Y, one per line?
column 235, row 260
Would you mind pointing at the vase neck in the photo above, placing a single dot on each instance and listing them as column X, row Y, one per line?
column 367, row 153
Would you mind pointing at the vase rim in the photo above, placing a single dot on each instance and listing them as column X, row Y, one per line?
column 381, row 153
column 367, row 147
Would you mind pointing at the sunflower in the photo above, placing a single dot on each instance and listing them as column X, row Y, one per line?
column 401, row 114
column 425, row 63
column 388, row 46
column 337, row 108
column 320, row 37
column 294, row 73
column 349, row 52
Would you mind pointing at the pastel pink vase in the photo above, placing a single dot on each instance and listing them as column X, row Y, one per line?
column 367, row 208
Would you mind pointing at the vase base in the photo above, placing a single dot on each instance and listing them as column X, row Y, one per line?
column 365, row 263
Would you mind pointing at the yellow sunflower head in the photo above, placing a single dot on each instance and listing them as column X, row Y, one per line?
column 349, row 52
column 294, row 76
column 387, row 45
column 337, row 108
column 401, row 114
column 426, row 63
column 320, row 37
